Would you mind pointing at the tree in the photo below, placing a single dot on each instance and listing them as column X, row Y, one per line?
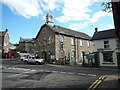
column 115, row 8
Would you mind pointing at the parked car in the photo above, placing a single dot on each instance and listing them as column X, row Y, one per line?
column 35, row 60
column 24, row 57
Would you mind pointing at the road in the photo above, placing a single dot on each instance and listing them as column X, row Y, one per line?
column 17, row 74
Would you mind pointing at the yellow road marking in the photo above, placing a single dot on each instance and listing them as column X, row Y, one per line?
column 92, row 84
column 96, row 83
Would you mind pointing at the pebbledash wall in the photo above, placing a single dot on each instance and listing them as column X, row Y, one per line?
column 99, row 44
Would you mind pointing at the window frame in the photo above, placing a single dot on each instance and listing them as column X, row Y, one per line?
column 107, row 56
column 106, row 44
column 81, row 42
column 61, row 38
column 72, row 41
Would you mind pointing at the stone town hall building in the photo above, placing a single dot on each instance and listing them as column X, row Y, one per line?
column 61, row 44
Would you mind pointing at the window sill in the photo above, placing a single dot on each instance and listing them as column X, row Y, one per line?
column 108, row 63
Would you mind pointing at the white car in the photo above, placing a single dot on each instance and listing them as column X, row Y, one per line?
column 35, row 60
column 24, row 57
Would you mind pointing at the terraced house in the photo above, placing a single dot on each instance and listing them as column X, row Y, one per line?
column 27, row 45
column 61, row 44
column 4, row 43
column 107, row 46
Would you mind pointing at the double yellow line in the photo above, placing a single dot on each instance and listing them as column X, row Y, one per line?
column 96, row 83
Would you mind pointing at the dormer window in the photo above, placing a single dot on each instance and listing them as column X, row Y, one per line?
column 106, row 44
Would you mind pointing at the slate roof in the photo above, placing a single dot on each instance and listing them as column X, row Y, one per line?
column 104, row 34
column 61, row 30
column 2, row 33
column 26, row 40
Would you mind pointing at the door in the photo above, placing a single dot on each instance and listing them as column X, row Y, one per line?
column 118, row 60
column 44, row 55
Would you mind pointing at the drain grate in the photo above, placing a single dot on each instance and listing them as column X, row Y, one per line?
column 36, row 76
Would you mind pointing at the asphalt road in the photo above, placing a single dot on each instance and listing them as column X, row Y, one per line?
column 17, row 74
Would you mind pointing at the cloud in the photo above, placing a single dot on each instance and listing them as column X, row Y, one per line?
column 98, row 15
column 77, row 26
column 75, row 10
column 28, row 8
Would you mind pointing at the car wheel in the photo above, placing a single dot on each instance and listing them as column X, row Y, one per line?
column 26, row 61
column 37, row 63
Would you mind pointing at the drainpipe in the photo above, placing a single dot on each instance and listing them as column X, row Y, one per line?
column 83, row 64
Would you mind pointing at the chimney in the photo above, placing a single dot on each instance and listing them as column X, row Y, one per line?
column 6, row 30
column 96, row 29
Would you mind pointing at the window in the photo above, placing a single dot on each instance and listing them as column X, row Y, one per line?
column 72, row 41
column 52, row 40
column 44, row 41
column 4, row 44
column 81, row 54
column 49, row 40
column 73, row 54
column 106, row 44
column 81, row 43
column 40, row 43
column 88, row 43
column 61, row 38
column 44, row 30
column 107, row 57
column 118, row 43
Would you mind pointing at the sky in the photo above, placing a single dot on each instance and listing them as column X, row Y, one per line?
column 24, row 18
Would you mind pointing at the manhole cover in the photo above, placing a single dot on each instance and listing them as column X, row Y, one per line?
column 36, row 76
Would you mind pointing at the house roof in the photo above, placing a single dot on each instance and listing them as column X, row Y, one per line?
column 2, row 33
column 61, row 30
column 104, row 34
column 26, row 39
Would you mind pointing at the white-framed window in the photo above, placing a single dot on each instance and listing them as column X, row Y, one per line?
column 106, row 44
column 4, row 43
column 81, row 54
column 81, row 43
column 61, row 38
column 73, row 54
column 107, row 56
column 72, row 41
column 88, row 43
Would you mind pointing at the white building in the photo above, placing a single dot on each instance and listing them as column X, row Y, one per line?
column 107, row 46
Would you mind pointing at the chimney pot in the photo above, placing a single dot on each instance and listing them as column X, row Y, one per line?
column 6, row 30
column 96, row 29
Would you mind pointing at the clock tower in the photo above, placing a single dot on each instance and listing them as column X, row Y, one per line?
column 49, row 19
